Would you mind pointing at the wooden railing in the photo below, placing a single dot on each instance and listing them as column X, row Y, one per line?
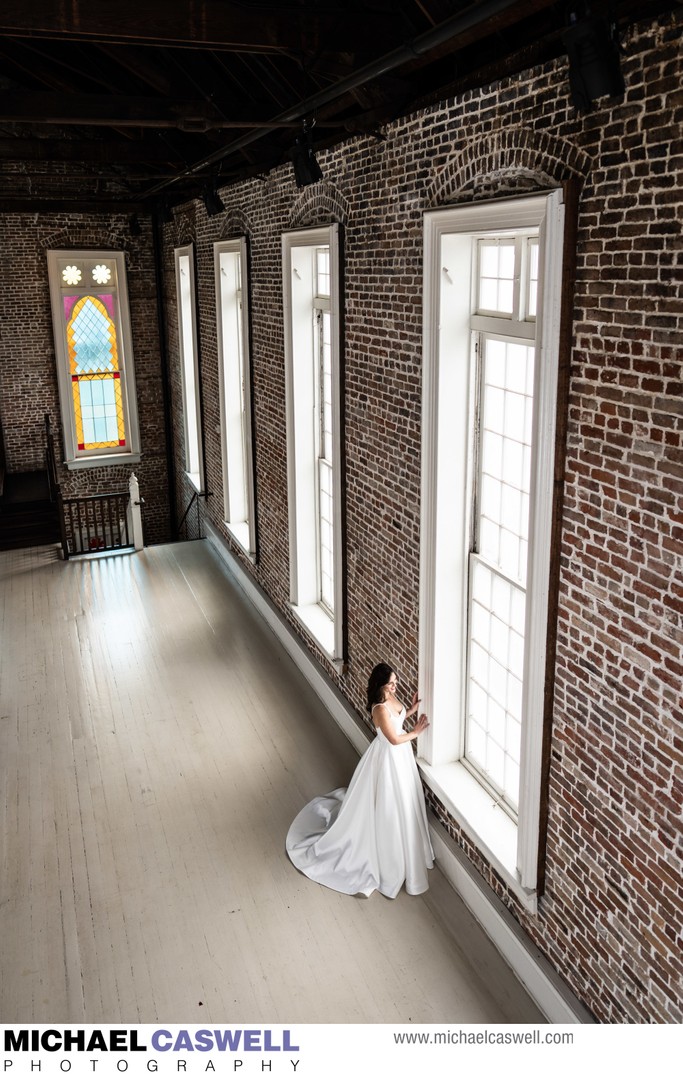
column 98, row 523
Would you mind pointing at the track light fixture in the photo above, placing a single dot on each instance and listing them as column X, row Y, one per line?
column 306, row 168
column 593, row 51
column 165, row 212
column 212, row 200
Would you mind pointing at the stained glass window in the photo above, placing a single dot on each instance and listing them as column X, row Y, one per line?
column 93, row 355
column 92, row 331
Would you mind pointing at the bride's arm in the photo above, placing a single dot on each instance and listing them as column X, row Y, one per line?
column 382, row 719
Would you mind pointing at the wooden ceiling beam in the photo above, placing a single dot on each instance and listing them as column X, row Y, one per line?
column 213, row 24
column 66, row 149
column 138, row 64
column 106, row 110
column 106, row 204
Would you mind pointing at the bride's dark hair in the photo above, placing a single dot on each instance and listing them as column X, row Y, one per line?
column 379, row 678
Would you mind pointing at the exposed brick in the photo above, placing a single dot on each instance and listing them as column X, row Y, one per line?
column 610, row 917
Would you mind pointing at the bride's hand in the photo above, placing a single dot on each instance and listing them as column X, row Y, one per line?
column 414, row 705
column 421, row 724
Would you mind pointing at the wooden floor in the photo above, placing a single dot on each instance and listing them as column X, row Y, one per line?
column 155, row 743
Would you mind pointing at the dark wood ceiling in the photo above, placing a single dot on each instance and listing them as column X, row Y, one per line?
column 135, row 104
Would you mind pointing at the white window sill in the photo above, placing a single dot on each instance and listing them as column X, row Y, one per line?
column 480, row 817
column 320, row 626
column 84, row 462
column 196, row 480
column 240, row 532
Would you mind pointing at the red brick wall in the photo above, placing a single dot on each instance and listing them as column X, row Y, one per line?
column 28, row 377
column 611, row 914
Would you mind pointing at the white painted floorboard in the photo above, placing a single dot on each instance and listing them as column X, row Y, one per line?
column 155, row 744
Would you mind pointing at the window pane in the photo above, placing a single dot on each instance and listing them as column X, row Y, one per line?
column 325, row 534
column 505, row 452
column 235, row 390
column 491, row 490
column 494, row 409
column 322, row 266
column 492, row 455
column 496, row 275
column 497, row 599
column 494, row 680
column 91, row 336
column 532, row 280
column 189, row 372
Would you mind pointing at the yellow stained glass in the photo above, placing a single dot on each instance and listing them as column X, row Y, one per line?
column 95, row 375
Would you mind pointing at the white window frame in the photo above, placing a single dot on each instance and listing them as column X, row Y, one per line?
column 234, row 372
column 74, row 457
column 298, row 261
column 186, row 293
column 447, row 476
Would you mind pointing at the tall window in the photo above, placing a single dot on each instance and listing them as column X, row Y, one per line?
column 323, row 427
column 505, row 275
column 94, row 353
column 189, row 364
column 492, row 307
column 312, row 352
column 232, row 308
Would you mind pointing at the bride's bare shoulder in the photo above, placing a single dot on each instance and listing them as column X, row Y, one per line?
column 378, row 711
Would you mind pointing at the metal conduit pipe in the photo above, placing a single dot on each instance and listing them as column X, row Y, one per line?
column 475, row 15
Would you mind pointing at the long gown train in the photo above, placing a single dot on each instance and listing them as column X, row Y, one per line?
column 372, row 835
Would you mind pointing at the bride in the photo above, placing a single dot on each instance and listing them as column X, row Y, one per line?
column 372, row 835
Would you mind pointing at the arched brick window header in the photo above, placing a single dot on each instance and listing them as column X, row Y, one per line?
column 509, row 162
column 319, row 204
column 235, row 224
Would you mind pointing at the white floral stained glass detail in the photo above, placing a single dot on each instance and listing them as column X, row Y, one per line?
column 71, row 275
column 101, row 274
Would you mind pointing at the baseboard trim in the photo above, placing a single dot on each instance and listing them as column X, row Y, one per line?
column 539, row 979
column 341, row 711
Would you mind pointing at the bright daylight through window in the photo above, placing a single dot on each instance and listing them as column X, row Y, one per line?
column 312, row 304
column 234, row 370
column 491, row 308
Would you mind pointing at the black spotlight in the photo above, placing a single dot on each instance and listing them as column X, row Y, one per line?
column 306, row 168
column 212, row 200
column 593, row 50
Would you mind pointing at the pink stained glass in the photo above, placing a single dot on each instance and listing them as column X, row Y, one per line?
column 107, row 300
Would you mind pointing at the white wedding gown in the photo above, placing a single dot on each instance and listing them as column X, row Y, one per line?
column 372, row 835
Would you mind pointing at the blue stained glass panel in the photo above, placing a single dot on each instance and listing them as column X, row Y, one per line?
column 92, row 341
column 98, row 408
